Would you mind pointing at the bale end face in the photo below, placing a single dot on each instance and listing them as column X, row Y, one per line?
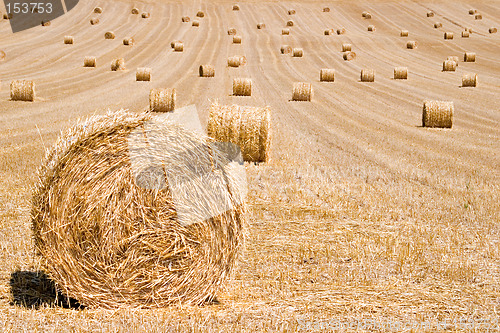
column 242, row 87
column 128, row 41
column 367, row 75
column 162, row 100
column 22, row 90
column 186, row 19
column 143, row 74
column 469, row 80
column 302, row 92
column 134, row 11
column 98, row 10
column 146, row 15
column 348, row 56
column 94, row 21
column 437, row 114
column 236, row 7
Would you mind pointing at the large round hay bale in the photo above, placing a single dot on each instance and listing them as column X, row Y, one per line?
column 247, row 127
column 162, row 99
column 327, row 75
column 135, row 11
column 89, row 61
column 172, row 43
column 492, row 30
column 146, row 15
column 341, row 31
column 178, row 47
column 411, row 44
column 326, row 10
column 367, row 75
column 286, row 49
column 371, row 28
column 469, row 57
column 297, row 52
column 430, row 14
column 200, row 14
column 328, row 32
column 285, row 31
column 302, row 91
column 368, row 16
column 438, row 25
column 363, row 14
column 449, row 66
column 261, row 25
column 236, row 39
column 236, row 7
column 231, row 31
column 404, row 33
column 143, row 74
column 69, row 40
column 453, row 58
column 46, row 23
column 478, row 17
column 108, row 219
column 289, row 23
column 437, row 114
column 195, row 23
column 291, row 12
column 98, row 10
column 469, row 80
column 236, row 61
column 348, row 56
column 109, row 35
column 118, row 65
column 465, row 34
column 472, row 11
column 185, row 19
column 242, row 87
column 400, row 73
column 207, row 71
column 128, row 41
column 22, row 90
column 448, row 35
column 346, row 47
column 94, row 21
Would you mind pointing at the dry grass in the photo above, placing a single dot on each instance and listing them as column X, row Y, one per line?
column 437, row 114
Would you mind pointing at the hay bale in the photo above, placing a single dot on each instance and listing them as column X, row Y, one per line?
column 302, row 91
column 236, row 39
column 449, row 66
column 411, row 44
column 109, row 239
column 89, row 61
column 236, row 7
column 22, row 90
column 186, row 19
column 118, row 65
column 47, row 23
column 469, row 57
column 371, row 28
column 285, row 31
column 368, row 16
column 453, row 58
column 297, row 52
column 69, row 40
column 326, row 10
column 404, row 33
column 478, row 17
column 247, row 127
column 9, row 16
column 400, row 73
column 143, row 74
column 367, row 75
column 172, row 43
column 328, row 32
column 98, row 10
column 94, row 21
column 261, row 26
column 492, row 30
column 438, row 25
column 236, row 61
column 465, row 34
column 291, row 12
column 109, row 35
column 289, row 23
column 348, row 56
column 286, row 49
column 134, row 11
column 231, row 31
column 327, row 75
column 207, row 71
column 430, row 14
column 162, row 99
column 472, row 11
column 146, row 15
column 346, row 47
column 469, row 80
column 195, row 23
column 128, row 41
column 437, row 114
column 363, row 14
column 2, row 55
column 200, row 14
column 178, row 47
column 448, row 35
column 242, row 87
column 341, row 31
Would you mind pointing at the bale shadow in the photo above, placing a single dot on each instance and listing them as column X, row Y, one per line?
column 35, row 289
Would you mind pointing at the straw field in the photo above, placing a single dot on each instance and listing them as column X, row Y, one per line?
column 361, row 216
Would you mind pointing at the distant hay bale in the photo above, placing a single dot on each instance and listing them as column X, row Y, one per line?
column 449, row 66
column 367, row 75
column 291, row 12
column 195, row 23
column 146, row 15
column 492, row 30
column 363, row 14
column 89, row 61
column 236, row 61
column 448, row 35
column 438, row 25
column 242, row 87
column 69, row 40
column 109, row 35
column 289, row 23
column 231, row 31
column 297, row 52
column 172, row 43
column 247, row 127
column 302, row 92
column 128, row 41
column 186, row 19
column 22, row 90
column 98, row 10
column 286, row 49
column 236, row 39
column 207, row 71
column 341, row 31
column 261, row 25
column 143, row 74
column 469, row 80
column 327, row 75
column 178, row 47
column 404, row 33
column 94, row 21
column 346, row 47
column 478, row 17
column 162, row 99
column 285, row 31
column 348, row 56
column 236, row 7
column 371, row 28
column 400, row 73
column 328, row 32
column 437, row 114
column 472, row 11
column 326, row 10
column 469, row 57
column 411, row 44
column 118, row 65
column 134, row 11
column 200, row 14
column 106, row 226
column 2, row 55
column 368, row 16
column 465, row 34
column 430, row 14
column 47, row 23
